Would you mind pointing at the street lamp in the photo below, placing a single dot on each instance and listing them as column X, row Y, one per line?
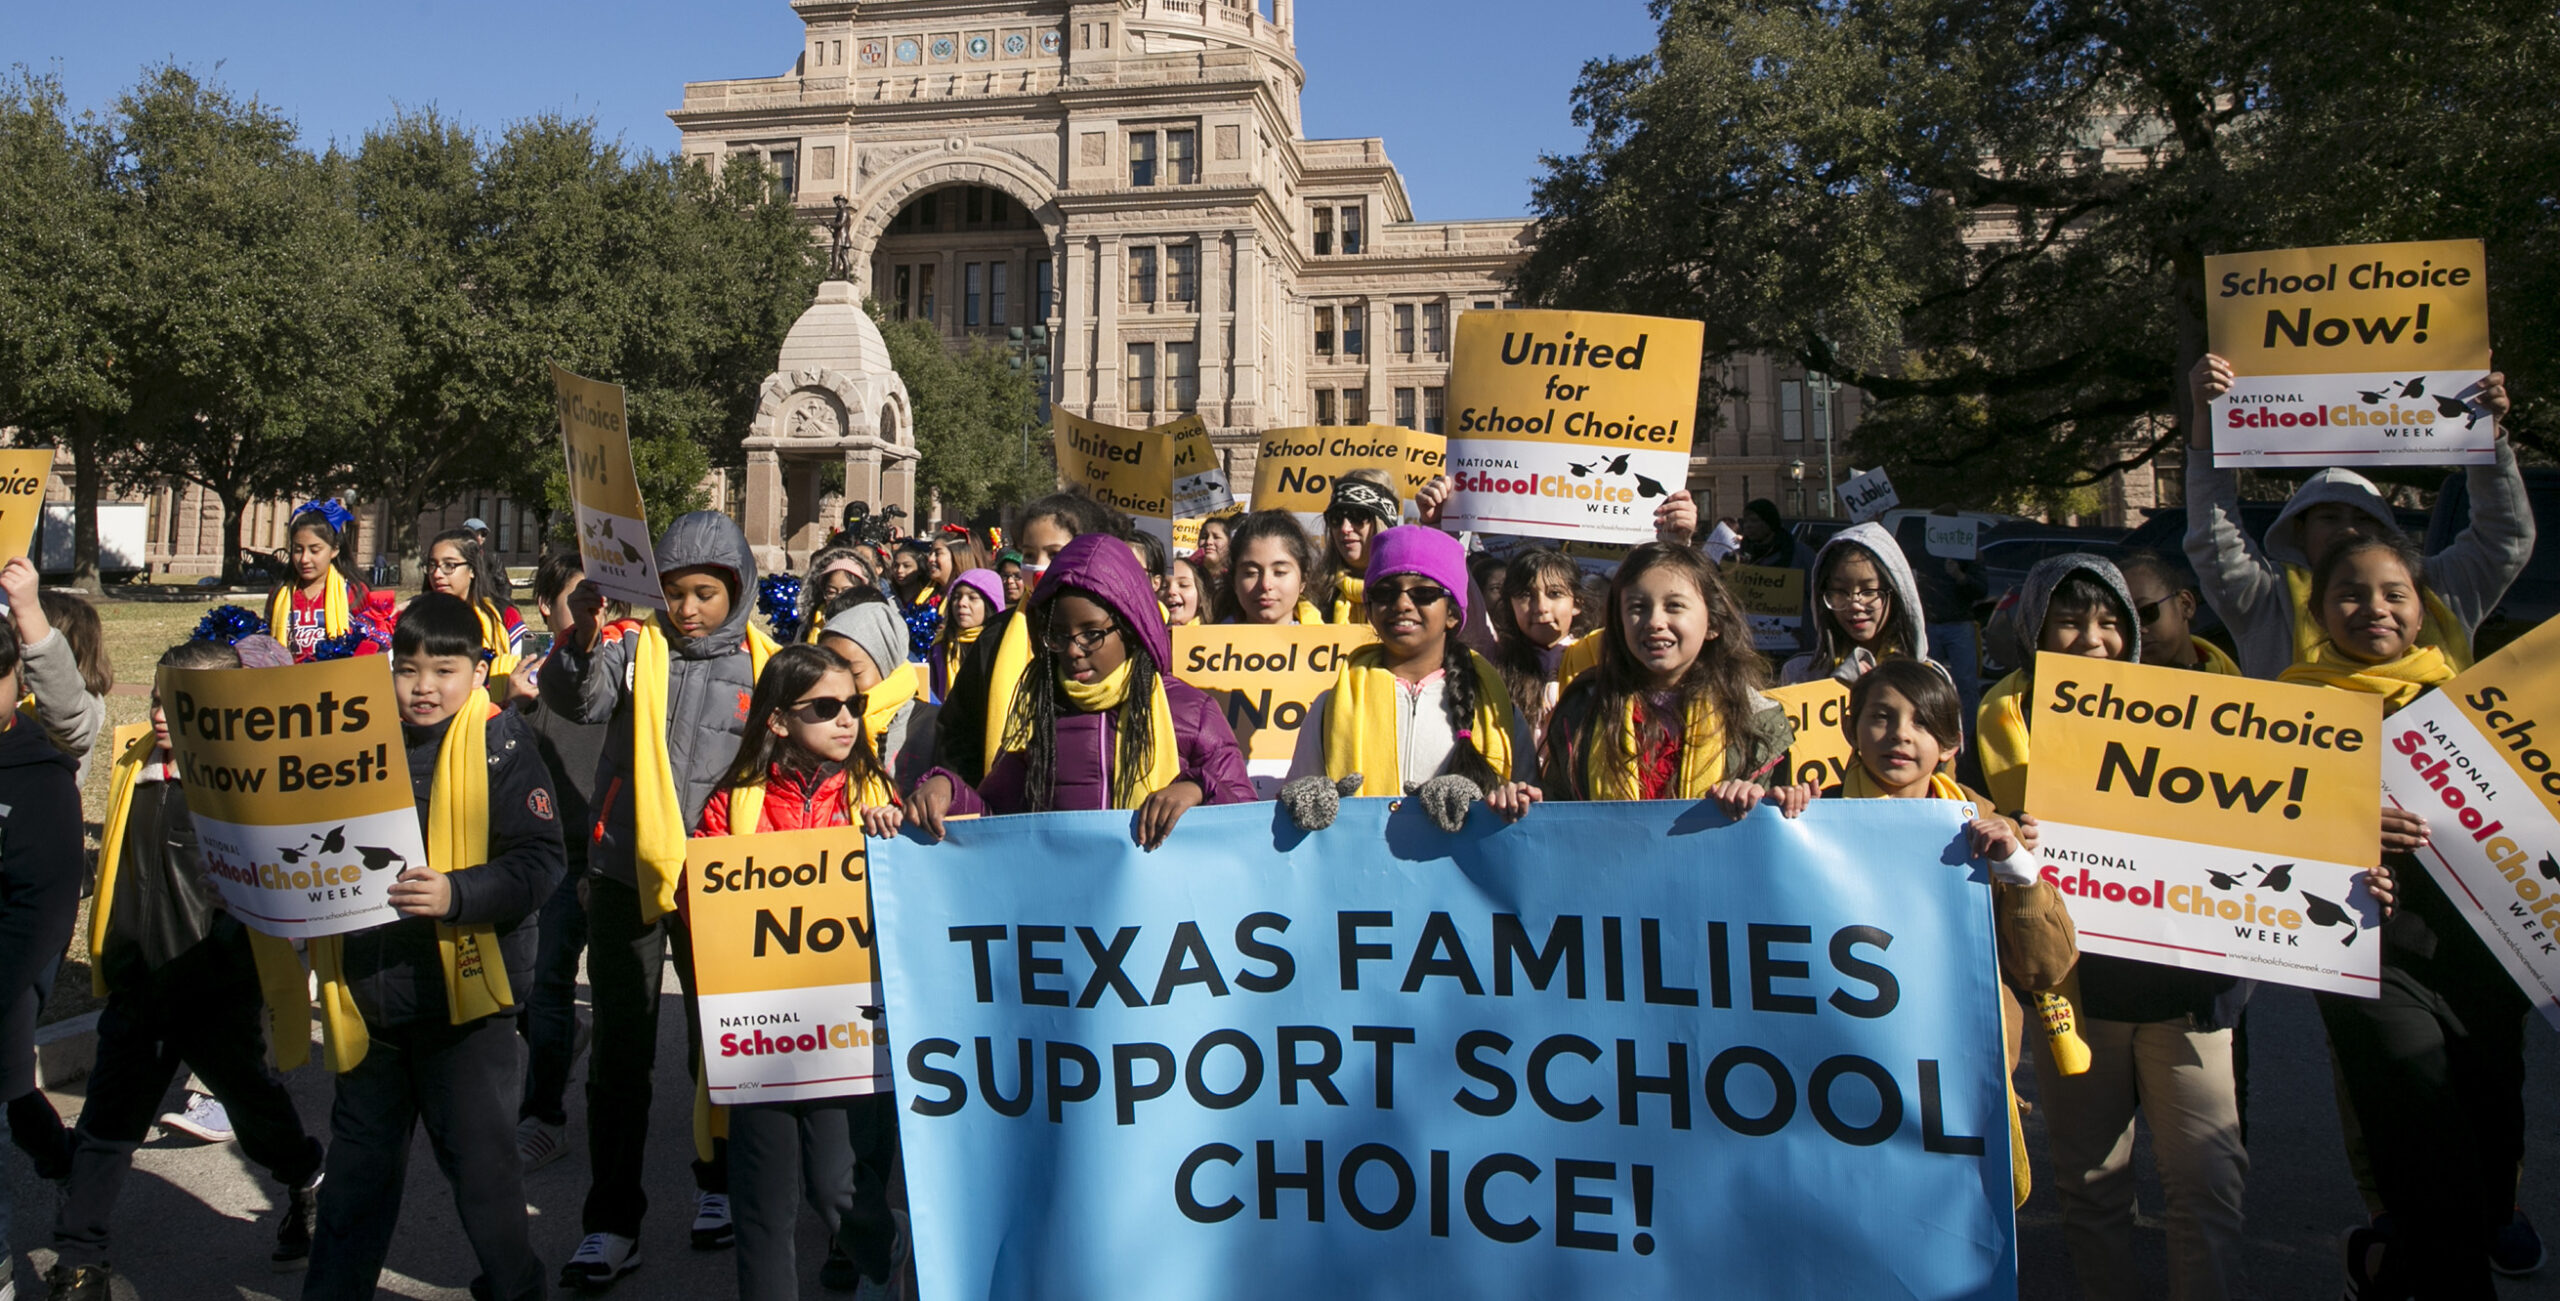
column 1822, row 386
column 1795, row 472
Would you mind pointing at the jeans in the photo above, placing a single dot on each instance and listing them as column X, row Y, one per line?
column 841, row 1154
column 551, row 1010
column 624, row 960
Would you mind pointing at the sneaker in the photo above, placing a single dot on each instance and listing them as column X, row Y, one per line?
column 2363, row 1247
column 204, row 1118
column 301, row 1221
column 711, row 1228
column 601, row 1260
column 2517, row 1250
column 837, row 1275
column 539, row 1142
column 79, row 1283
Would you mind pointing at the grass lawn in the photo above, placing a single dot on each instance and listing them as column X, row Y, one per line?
column 136, row 634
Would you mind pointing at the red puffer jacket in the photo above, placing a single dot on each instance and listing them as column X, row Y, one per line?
column 793, row 801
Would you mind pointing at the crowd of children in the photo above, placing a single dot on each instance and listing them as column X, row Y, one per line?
column 904, row 685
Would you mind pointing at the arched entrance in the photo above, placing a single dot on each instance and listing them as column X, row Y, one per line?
column 968, row 241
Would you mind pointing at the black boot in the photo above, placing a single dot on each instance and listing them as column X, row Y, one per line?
column 301, row 1220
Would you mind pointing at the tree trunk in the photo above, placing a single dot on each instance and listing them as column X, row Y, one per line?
column 88, row 484
column 235, row 511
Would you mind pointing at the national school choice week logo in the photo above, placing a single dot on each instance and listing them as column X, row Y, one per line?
column 2292, row 410
column 770, row 1033
column 2534, row 901
column 304, row 866
column 600, row 533
column 2264, row 921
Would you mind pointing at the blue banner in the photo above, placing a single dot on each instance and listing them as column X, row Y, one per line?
column 1612, row 1050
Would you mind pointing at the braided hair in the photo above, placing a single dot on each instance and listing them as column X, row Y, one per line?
column 1032, row 725
column 1458, row 700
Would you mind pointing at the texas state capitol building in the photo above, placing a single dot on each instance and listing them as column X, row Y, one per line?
column 1131, row 175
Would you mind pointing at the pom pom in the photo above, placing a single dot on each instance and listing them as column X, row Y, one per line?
column 778, row 596
column 338, row 648
column 226, row 624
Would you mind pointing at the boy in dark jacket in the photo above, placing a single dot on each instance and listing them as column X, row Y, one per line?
column 677, row 684
column 419, row 1063
column 41, row 860
column 571, row 750
column 182, row 993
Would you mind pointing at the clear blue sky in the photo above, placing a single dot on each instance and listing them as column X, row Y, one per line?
column 1467, row 93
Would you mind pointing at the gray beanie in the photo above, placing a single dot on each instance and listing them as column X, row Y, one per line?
column 874, row 627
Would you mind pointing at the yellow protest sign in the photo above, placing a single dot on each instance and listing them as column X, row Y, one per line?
column 2476, row 758
column 1297, row 467
column 1570, row 424
column 2211, row 822
column 23, row 472
column 1269, row 676
column 2359, row 354
column 1821, row 752
column 298, row 783
column 783, row 965
column 613, row 526
column 1772, row 597
column 1153, row 474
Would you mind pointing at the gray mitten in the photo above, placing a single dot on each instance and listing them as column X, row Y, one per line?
column 1447, row 798
column 1315, row 799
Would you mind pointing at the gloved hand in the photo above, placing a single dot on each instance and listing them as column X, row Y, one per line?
column 1315, row 799
column 1446, row 798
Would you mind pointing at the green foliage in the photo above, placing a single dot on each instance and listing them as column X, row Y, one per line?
column 1992, row 216
column 977, row 419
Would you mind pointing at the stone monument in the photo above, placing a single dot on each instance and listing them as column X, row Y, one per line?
column 831, row 400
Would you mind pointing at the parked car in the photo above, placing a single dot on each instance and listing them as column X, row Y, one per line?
column 2535, row 595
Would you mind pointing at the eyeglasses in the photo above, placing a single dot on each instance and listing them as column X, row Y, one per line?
column 1063, row 642
column 450, row 566
column 1853, row 598
column 819, row 709
column 1423, row 594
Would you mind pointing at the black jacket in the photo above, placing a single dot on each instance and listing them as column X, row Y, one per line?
column 396, row 970
column 163, row 904
column 960, row 728
column 573, row 752
column 41, row 858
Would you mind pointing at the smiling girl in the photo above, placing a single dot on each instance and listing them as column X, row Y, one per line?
column 1266, row 579
column 1364, row 503
column 1866, row 608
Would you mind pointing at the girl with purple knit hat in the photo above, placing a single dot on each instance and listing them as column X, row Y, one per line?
column 1093, row 721
column 977, row 596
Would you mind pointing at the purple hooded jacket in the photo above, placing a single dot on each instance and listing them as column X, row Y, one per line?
column 1099, row 566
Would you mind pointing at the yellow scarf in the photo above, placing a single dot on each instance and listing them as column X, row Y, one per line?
column 1109, row 692
column 1349, row 600
column 2438, row 629
column 880, row 705
column 657, row 811
column 2000, row 738
column 2215, row 659
column 493, row 634
column 1579, row 658
column 2397, row 682
column 1612, row 772
column 134, row 745
column 475, row 976
column 1360, row 724
column 334, row 618
column 1004, row 682
column 967, row 636
column 746, row 803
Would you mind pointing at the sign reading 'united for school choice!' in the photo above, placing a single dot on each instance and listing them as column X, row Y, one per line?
column 2477, row 759
column 1570, row 424
column 1545, row 1059
column 613, row 527
column 1155, row 475
column 782, row 959
column 298, row 784
column 2362, row 354
column 1297, row 467
column 2268, row 789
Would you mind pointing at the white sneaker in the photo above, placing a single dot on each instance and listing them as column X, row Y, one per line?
column 539, row 1143
column 204, row 1118
column 711, row 1227
column 601, row 1260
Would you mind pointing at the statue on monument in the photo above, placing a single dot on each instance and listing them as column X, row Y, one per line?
column 840, row 255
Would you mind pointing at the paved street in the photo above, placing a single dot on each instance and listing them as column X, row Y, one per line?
column 195, row 1220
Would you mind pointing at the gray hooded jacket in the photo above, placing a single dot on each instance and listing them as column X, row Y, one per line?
column 2245, row 582
column 1832, row 655
column 709, row 680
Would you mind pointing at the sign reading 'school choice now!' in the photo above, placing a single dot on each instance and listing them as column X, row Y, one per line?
column 298, row 783
column 613, row 527
column 2480, row 760
column 2361, row 354
column 1570, row 424
column 1297, row 467
column 2211, row 822
column 783, row 963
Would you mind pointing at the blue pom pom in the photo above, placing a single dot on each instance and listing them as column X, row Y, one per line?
column 227, row 624
column 778, row 596
column 338, row 648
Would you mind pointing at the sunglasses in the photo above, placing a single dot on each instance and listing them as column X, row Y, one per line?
column 2149, row 614
column 1423, row 594
column 822, row 708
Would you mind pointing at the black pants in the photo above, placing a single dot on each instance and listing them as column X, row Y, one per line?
column 200, row 1012
column 2435, row 1070
column 551, row 1010
column 841, row 1154
column 625, row 960
column 461, row 1081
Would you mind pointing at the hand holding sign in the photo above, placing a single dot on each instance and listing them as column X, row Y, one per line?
column 604, row 491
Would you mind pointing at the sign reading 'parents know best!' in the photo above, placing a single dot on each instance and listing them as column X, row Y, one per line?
column 1570, row 424
column 298, row 782
column 2362, row 354
column 2211, row 822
